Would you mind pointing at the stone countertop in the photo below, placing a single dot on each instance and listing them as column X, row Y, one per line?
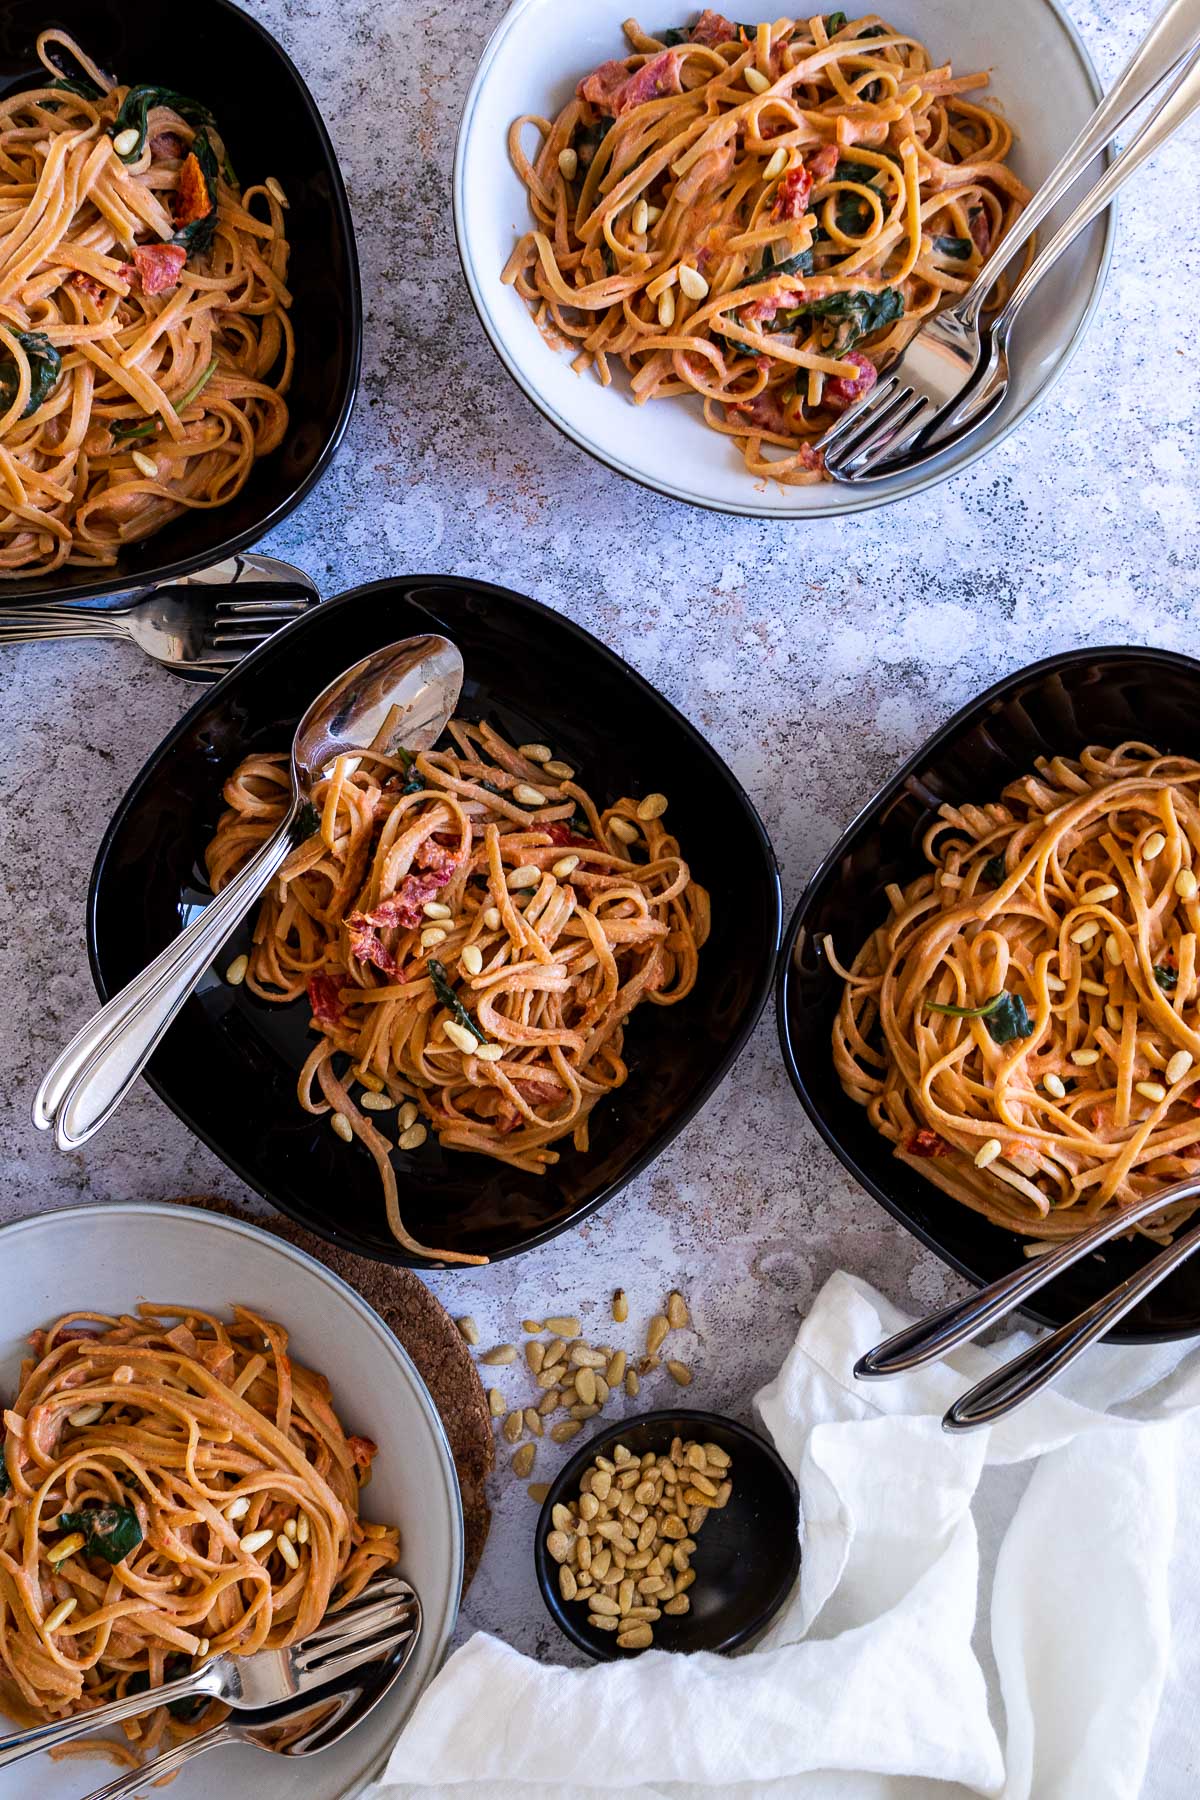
column 814, row 656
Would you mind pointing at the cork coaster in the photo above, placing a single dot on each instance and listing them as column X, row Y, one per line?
column 433, row 1341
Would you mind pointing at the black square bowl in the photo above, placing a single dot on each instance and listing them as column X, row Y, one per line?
column 1053, row 708
column 218, row 54
column 228, row 1065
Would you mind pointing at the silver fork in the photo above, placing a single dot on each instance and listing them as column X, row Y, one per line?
column 930, row 1338
column 942, row 358
column 874, row 456
column 200, row 625
column 383, row 1616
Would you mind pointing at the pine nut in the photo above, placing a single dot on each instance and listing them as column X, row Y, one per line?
column 640, row 218
column 367, row 1079
column 275, row 190
column 407, row 1115
column 123, row 1375
column 145, row 464
column 533, row 1421
column 666, row 309
column 468, row 1329
column 500, row 1356
column 471, row 959
column 987, row 1153
column 255, row 1541
column 1083, row 934
column 289, row 1529
column 1093, row 987
column 585, row 1386
column 65, row 1608
column 1055, row 984
column 1054, row 1087
column 495, row 1402
column 622, row 830
column 755, row 80
column 1178, row 1066
column 561, row 771
column 620, row 1306
column 287, row 1550
column 652, row 807
column 680, row 1373
column 513, row 1426
column 677, row 1312
column 413, row 1138
column 1084, row 1059
column 460, row 1037
column 1150, row 1090
column 564, row 866
column 66, row 1547
column 235, row 974
column 490, row 1052
column 376, row 1102
column 692, row 282
column 491, row 918
column 1186, row 884
column 527, row 876
column 777, row 164
column 238, row 1510
column 1154, row 846
column 341, row 1125
column 85, row 1415
column 568, row 162
column 563, row 1432
column 528, row 796
column 125, row 142
column 632, row 1383
column 522, row 1462
column 1107, row 891
column 538, row 1490
column 1112, row 949
column 568, row 1587
column 432, row 934
column 563, row 1327
column 653, row 214
column 535, row 1356
column 656, row 1332
column 1113, row 1018
column 436, row 909
column 636, row 1638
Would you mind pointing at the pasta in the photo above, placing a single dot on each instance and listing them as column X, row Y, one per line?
column 1025, row 1025
column 154, row 1466
column 761, row 216
column 470, row 944
column 145, row 344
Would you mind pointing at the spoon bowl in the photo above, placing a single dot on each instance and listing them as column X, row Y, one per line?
column 400, row 696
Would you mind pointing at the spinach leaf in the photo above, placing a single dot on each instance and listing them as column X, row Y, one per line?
column 45, row 367
column 111, row 1531
column 1166, row 977
column 874, row 31
column 578, row 826
column 87, row 90
column 678, row 34
column 995, row 870
column 800, row 264
column 306, row 824
column 138, row 102
column 858, row 314
column 864, row 173
column 197, row 235
column 588, row 140
column 1004, row 1014
column 959, row 248
column 129, row 428
column 450, row 1000
column 834, row 22
column 414, row 785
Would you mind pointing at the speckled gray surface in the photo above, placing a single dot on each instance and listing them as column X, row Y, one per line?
column 813, row 656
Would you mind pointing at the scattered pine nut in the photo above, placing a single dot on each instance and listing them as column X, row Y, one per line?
column 490, row 1052
column 652, row 807
column 526, row 876
column 65, row 1608
column 125, row 142
column 538, row 1490
column 235, row 974
column 1084, row 1059
column 1083, row 934
column 565, row 866
column 564, row 1327
column 565, row 1430
column 85, row 1415
column 503, row 1353
column 522, row 1462
column 255, row 1541
column 987, row 1153
column 755, row 80
column 413, row 1138
column 495, row 1402
column 679, row 1372
column 677, row 1312
column 287, row 1550
column 1178, row 1066
column 1054, row 1086
column 460, row 1037
column 622, row 830
column 407, row 1115
column 776, row 164
column 275, row 190
column 1150, row 1090
column 1154, row 846
column 436, row 909
column 238, row 1510
column 561, row 771
column 1112, row 949
column 1108, row 890
column 514, row 1425
column 491, row 918
column 66, row 1547
column 341, row 1125
column 656, row 1332
column 640, row 217
column 693, row 284
column 433, row 934
column 535, row 1356
column 377, row 1103
column 468, row 1329
column 472, row 959
column 538, row 753
column 533, row 1421
column 1093, row 987
column 1186, row 884
column 666, row 309
column 620, row 1306
column 528, row 796
column 632, row 1383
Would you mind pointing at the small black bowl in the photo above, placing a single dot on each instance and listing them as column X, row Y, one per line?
column 1053, row 708
column 228, row 1065
column 219, row 54
column 747, row 1554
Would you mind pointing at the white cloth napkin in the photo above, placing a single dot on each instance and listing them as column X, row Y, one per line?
column 976, row 1615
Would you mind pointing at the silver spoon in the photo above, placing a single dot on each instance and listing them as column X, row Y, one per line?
column 399, row 697
column 301, row 1731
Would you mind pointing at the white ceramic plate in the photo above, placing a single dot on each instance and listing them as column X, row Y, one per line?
column 110, row 1257
column 1041, row 76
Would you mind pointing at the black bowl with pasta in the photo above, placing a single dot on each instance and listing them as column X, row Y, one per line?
column 270, row 127
column 229, row 1066
column 1053, row 709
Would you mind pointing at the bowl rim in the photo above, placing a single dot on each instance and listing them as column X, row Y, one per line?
column 569, row 1475
column 973, row 710
column 844, row 498
column 536, row 610
column 198, row 1217
column 118, row 581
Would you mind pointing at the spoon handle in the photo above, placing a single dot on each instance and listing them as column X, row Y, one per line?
column 89, row 1080
column 133, row 1781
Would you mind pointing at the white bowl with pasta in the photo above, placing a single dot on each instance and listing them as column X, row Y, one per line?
column 108, row 1258
column 1041, row 83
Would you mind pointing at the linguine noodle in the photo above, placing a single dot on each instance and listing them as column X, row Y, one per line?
column 1025, row 1025
column 144, row 1458
column 762, row 216
column 145, row 345
column 471, row 942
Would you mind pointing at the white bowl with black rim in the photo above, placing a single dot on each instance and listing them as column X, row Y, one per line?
column 1043, row 81
column 106, row 1259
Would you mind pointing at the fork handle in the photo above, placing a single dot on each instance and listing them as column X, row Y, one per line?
column 18, row 1744
column 134, row 1781
column 942, row 1331
column 1172, row 37
column 91, row 1077
column 1008, row 1387
column 32, row 629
